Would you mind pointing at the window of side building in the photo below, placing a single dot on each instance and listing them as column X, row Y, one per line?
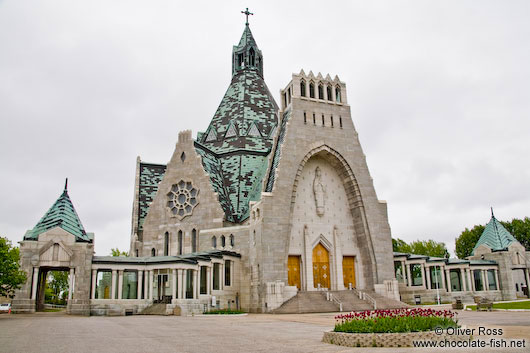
column 216, row 276
column 130, row 285
column 227, row 272
column 416, row 274
column 477, row 276
column 204, row 280
column 103, row 284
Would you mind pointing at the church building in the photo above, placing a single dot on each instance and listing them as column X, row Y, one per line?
column 268, row 204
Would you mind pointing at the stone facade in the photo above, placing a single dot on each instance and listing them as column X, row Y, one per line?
column 55, row 249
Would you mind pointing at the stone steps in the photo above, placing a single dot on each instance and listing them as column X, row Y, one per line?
column 307, row 302
column 350, row 301
column 315, row 302
column 386, row 303
column 155, row 309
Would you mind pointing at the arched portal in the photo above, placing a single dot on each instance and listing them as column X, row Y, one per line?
column 327, row 208
column 321, row 273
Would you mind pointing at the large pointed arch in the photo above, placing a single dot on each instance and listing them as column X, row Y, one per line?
column 355, row 202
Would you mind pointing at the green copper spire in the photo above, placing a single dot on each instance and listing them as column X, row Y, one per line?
column 495, row 236
column 246, row 55
column 61, row 214
column 239, row 139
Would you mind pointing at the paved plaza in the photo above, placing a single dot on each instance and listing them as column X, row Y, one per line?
column 57, row 333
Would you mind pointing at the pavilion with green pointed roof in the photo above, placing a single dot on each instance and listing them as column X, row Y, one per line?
column 495, row 236
column 62, row 214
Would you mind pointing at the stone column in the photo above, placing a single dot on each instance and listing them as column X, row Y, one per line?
column 472, row 279
column 448, row 275
column 120, row 284
column 486, row 282
column 146, row 284
column 151, row 275
column 35, row 283
column 113, row 285
column 195, row 276
column 179, row 285
column 428, row 277
column 174, row 284
column 140, row 280
column 71, row 284
column 498, row 286
column 409, row 279
column 94, row 284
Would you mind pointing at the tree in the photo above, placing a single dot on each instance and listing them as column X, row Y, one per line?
column 58, row 283
column 429, row 248
column 11, row 277
column 465, row 243
column 399, row 245
column 520, row 229
column 117, row 252
column 421, row 247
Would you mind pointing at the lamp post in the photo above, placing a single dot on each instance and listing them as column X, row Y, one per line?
column 437, row 286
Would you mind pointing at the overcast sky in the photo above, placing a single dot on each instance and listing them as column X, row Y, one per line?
column 439, row 93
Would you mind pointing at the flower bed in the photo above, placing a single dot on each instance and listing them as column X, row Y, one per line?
column 392, row 328
column 395, row 320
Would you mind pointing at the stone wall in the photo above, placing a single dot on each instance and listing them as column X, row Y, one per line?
column 185, row 165
column 339, row 146
column 405, row 339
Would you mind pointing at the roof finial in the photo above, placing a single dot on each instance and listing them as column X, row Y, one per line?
column 492, row 215
column 246, row 12
column 66, row 185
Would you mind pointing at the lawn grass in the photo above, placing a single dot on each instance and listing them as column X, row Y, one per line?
column 514, row 305
column 53, row 310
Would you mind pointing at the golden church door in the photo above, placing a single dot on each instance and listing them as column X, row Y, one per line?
column 293, row 271
column 348, row 271
column 321, row 267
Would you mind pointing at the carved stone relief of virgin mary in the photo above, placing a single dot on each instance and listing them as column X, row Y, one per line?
column 319, row 190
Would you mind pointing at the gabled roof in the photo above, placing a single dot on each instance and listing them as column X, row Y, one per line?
column 62, row 214
column 495, row 236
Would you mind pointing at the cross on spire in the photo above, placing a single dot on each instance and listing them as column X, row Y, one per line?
column 246, row 12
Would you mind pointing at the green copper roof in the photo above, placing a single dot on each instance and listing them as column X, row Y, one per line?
column 239, row 139
column 61, row 214
column 278, row 151
column 495, row 236
column 150, row 176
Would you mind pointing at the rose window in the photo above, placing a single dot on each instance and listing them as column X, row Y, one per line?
column 182, row 198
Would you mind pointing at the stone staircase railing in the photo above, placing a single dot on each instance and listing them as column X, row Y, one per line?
column 330, row 297
column 365, row 296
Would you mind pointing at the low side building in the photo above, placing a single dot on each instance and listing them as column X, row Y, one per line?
column 498, row 269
